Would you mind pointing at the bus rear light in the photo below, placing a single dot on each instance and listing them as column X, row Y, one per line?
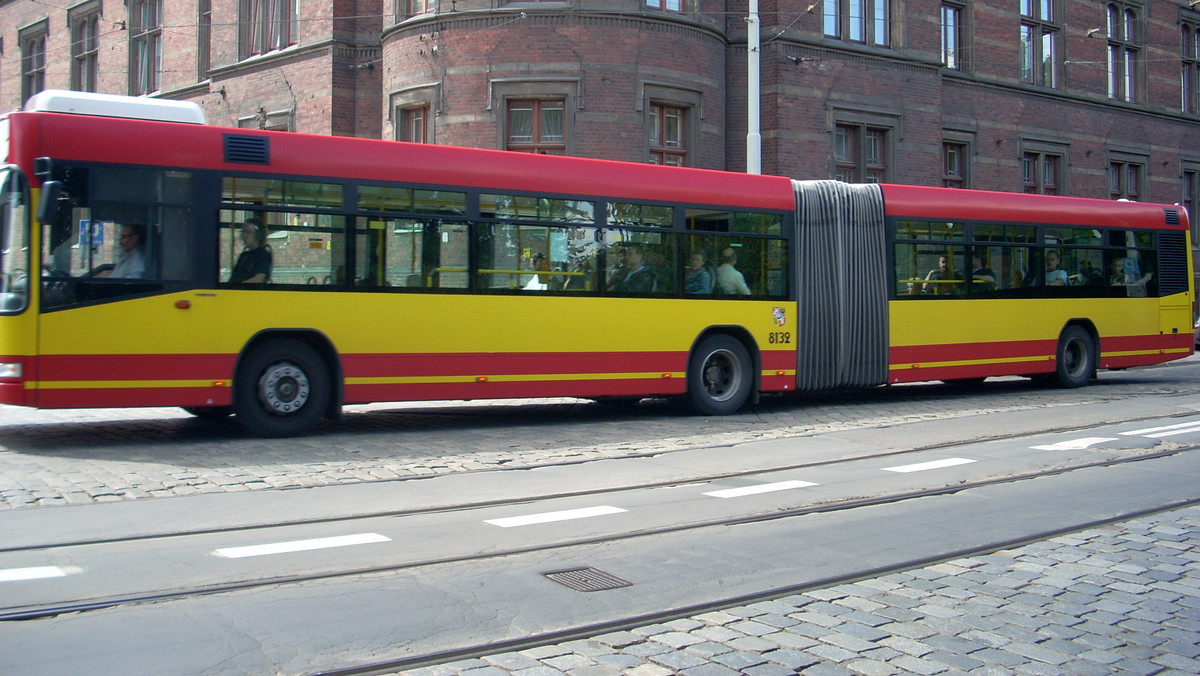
column 10, row 369
column 667, row 375
column 481, row 379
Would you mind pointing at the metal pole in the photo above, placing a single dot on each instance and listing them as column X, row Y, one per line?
column 753, row 132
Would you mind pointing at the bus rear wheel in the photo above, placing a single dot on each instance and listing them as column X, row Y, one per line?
column 282, row 389
column 1075, row 359
column 720, row 376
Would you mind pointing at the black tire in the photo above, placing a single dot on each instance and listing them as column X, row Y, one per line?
column 720, row 376
column 1075, row 360
column 282, row 389
column 209, row 412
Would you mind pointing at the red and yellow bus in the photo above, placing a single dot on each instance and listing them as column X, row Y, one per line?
column 149, row 259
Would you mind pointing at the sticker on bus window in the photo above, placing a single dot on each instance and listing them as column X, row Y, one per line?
column 779, row 315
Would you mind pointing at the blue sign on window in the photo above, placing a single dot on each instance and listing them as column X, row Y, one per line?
column 91, row 233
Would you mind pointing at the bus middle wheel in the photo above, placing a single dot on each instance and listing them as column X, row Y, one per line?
column 720, row 376
column 282, row 389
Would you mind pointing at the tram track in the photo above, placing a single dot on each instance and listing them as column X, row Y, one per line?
column 82, row 605
column 536, row 497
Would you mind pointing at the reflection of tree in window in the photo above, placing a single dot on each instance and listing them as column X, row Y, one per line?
column 536, row 126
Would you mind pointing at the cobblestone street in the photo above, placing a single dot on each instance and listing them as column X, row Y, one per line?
column 1120, row 599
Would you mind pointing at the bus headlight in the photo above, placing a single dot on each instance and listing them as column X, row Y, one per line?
column 10, row 369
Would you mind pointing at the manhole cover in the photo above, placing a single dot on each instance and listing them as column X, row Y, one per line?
column 587, row 579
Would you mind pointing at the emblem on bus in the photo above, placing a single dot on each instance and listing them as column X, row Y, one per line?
column 780, row 316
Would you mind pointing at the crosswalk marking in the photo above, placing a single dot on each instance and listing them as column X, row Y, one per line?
column 36, row 573
column 300, row 545
column 548, row 517
column 1074, row 444
column 924, row 466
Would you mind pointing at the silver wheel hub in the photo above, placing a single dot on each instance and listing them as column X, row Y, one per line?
column 283, row 388
column 721, row 375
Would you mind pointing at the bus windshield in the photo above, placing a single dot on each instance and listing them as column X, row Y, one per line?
column 14, row 241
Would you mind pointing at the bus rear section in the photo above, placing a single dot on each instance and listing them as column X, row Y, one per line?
column 900, row 284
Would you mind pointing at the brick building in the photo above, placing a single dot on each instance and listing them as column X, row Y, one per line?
column 1096, row 98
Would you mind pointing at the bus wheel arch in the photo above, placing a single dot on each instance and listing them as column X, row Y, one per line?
column 723, row 371
column 285, row 382
column 1076, row 355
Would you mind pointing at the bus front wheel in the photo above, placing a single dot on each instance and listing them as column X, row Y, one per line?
column 720, row 376
column 282, row 389
column 1075, row 360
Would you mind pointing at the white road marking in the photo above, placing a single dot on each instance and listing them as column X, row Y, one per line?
column 1074, row 444
column 923, row 466
column 548, row 517
column 761, row 488
column 301, row 545
column 1166, row 431
column 36, row 573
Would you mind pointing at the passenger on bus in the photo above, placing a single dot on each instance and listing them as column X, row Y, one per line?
column 633, row 275
column 540, row 281
column 1055, row 276
column 254, row 264
column 939, row 274
column 982, row 278
column 131, row 239
column 729, row 279
column 699, row 279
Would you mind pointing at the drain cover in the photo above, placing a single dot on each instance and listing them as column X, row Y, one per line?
column 587, row 579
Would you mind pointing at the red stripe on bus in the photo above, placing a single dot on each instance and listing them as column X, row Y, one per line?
column 60, row 367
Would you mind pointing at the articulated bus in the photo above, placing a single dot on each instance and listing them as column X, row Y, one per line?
column 148, row 259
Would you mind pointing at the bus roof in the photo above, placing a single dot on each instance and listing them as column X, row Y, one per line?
column 108, row 105
column 943, row 204
column 128, row 141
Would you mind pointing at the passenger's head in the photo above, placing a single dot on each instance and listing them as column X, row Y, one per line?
column 254, row 233
column 697, row 259
column 728, row 255
column 631, row 255
column 1051, row 260
column 131, row 236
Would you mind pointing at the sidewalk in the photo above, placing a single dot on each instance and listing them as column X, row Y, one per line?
column 1123, row 598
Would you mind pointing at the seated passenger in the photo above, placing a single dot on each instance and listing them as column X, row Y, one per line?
column 254, row 263
column 133, row 264
column 730, row 280
column 699, row 279
column 633, row 275
column 540, row 281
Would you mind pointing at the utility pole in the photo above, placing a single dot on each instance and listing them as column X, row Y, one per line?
column 753, row 132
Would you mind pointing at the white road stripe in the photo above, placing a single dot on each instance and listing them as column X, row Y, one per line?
column 301, row 545
column 1168, row 430
column 547, row 517
column 1074, row 444
column 923, row 466
column 761, row 488
column 36, row 573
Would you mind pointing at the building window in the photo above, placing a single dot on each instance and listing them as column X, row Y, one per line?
column 1039, row 42
column 145, row 46
column 954, row 165
column 666, row 5
column 267, row 26
column 1125, row 179
column 85, row 31
column 1191, row 196
column 33, row 59
column 952, row 35
column 1042, row 172
column 416, row 7
column 866, row 21
column 536, row 126
column 1190, row 75
column 667, row 136
column 860, row 154
column 203, row 39
column 413, row 124
column 1123, row 50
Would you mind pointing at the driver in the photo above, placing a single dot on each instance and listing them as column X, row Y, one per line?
column 133, row 264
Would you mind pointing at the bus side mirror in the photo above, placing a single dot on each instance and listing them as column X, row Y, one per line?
column 48, row 204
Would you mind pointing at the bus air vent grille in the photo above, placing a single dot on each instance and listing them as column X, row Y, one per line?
column 1172, row 263
column 247, row 149
column 1172, row 216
